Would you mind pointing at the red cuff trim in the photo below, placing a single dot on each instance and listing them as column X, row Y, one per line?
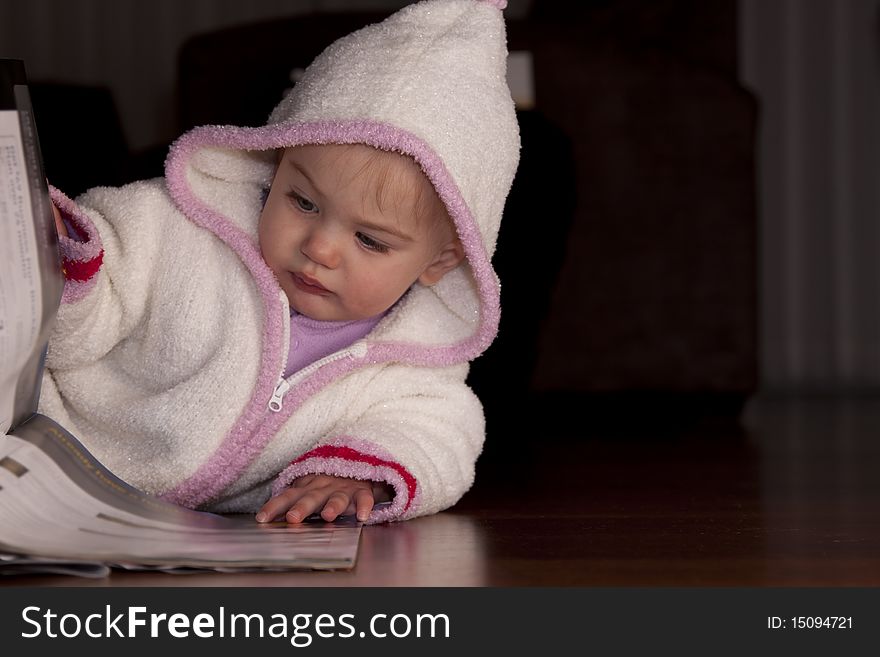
column 349, row 454
column 76, row 270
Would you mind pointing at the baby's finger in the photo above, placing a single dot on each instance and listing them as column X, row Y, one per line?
column 337, row 503
column 273, row 508
column 306, row 505
column 363, row 501
column 278, row 505
column 60, row 228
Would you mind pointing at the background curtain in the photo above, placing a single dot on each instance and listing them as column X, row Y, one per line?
column 814, row 66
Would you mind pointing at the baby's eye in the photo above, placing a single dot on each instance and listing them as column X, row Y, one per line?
column 302, row 202
column 369, row 243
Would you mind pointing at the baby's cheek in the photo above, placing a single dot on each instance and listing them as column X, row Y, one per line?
column 369, row 297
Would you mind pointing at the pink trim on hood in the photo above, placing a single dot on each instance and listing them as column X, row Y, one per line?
column 248, row 437
column 372, row 133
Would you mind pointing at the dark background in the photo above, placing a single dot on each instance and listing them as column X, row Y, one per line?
column 629, row 249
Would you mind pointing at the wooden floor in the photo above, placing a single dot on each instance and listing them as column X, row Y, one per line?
column 789, row 496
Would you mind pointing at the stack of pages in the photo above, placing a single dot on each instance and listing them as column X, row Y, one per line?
column 60, row 510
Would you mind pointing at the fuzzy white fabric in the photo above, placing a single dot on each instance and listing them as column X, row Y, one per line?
column 438, row 70
column 165, row 362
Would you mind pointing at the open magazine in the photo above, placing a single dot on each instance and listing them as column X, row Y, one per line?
column 60, row 509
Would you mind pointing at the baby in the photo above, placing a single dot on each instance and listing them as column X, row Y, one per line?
column 347, row 230
column 283, row 324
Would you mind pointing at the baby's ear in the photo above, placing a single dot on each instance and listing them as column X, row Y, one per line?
column 448, row 259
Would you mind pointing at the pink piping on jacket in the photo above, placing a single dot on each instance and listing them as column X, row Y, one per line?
column 242, row 444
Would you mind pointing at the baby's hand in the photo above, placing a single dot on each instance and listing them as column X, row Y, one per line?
column 333, row 496
column 59, row 222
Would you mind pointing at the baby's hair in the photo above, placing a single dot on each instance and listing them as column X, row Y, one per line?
column 390, row 188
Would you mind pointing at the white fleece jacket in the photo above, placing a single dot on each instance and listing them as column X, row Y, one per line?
column 173, row 333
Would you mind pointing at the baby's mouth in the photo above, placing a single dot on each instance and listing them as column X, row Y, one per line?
column 308, row 284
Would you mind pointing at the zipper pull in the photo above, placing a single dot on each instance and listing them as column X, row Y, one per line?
column 278, row 395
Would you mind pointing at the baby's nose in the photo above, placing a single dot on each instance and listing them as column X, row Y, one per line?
column 321, row 248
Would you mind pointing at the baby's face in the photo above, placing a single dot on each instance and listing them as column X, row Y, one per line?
column 338, row 252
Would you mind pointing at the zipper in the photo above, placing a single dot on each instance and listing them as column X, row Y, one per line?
column 278, row 395
column 276, row 403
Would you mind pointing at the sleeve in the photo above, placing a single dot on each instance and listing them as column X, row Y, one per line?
column 105, row 288
column 418, row 430
column 81, row 252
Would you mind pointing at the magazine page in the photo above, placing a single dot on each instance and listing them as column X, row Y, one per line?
column 60, row 509
column 31, row 282
column 16, row 564
column 57, row 501
column 20, row 291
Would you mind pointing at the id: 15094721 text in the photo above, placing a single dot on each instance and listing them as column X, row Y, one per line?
column 809, row 623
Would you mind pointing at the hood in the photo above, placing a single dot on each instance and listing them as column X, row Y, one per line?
column 428, row 82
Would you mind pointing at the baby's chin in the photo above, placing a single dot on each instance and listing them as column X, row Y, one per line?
column 330, row 308
column 314, row 310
